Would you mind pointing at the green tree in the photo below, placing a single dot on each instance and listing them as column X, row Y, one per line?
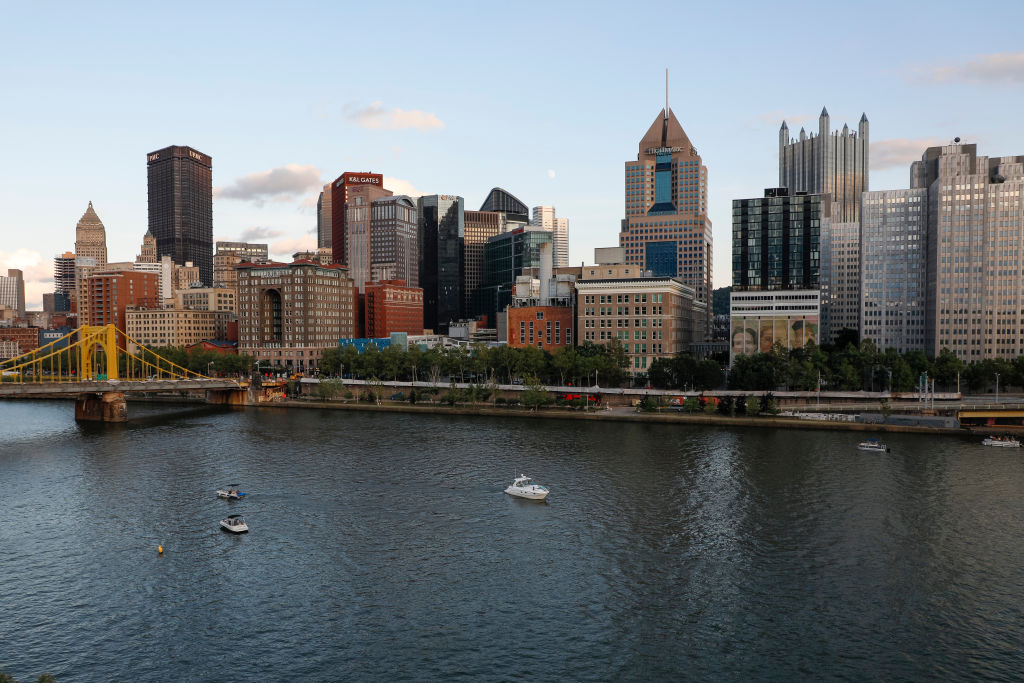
column 535, row 395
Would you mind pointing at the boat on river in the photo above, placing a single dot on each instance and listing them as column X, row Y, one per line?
column 1001, row 442
column 524, row 487
column 230, row 493
column 872, row 446
column 235, row 524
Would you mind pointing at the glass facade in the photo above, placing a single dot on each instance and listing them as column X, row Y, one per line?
column 660, row 258
column 180, row 182
column 776, row 241
column 441, row 231
column 894, row 229
column 505, row 202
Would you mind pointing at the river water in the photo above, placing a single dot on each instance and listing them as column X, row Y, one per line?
column 383, row 548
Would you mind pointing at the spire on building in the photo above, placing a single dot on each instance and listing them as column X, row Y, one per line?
column 824, row 112
column 864, row 118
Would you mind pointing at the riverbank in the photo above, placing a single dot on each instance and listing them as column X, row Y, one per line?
column 599, row 415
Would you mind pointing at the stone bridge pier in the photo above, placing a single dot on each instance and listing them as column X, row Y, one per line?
column 108, row 406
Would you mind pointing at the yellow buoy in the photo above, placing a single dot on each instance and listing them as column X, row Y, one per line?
column 160, row 549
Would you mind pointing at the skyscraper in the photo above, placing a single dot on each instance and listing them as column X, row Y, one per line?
column 323, row 218
column 503, row 201
column 666, row 229
column 893, row 258
column 394, row 242
column 12, row 291
column 181, row 206
column 337, row 206
column 775, row 295
column 358, row 221
column 148, row 252
column 975, row 302
column 545, row 217
column 441, row 231
column 91, row 237
column 833, row 163
column 480, row 227
column 64, row 273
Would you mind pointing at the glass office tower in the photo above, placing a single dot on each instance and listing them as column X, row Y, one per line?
column 181, row 206
column 441, row 231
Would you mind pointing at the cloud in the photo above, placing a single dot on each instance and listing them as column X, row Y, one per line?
column 259, row 232
column 376, row 117
column 900, row 151
column 282, row 250
column 280, row 183
column 999, row 67
column 399, row 186
column 551, row 173
column 37, row 271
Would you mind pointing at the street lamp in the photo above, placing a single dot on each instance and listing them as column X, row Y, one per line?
column 997, row 387
column 209, row 367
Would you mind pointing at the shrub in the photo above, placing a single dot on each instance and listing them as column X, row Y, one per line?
column 753, row 406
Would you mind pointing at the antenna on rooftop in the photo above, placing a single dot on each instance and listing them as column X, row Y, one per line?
column 666, row 92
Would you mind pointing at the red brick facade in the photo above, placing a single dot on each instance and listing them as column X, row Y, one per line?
column 111, row 293
column 392, row 307
column 546, row 327
column 26, row 337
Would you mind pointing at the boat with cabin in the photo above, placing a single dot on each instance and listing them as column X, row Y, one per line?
column 872, row 446
column 1001, row 442
column 524, row 487
column 235, row 524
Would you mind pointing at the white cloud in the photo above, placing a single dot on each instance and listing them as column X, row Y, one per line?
column 376, row 117
column 280, row 183
column 900, row 151
column 399, row 186
column 282, row 250
column 998, row 67
column 551, row 173
column 37, row 271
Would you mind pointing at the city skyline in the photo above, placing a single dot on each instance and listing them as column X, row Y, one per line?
column 279, row 134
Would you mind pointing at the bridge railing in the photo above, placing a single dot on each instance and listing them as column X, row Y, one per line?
column 92, row 353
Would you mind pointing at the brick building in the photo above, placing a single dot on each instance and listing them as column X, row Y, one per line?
column 27, row 338
column 288, row 313
column 390, row 306
column 110, row 294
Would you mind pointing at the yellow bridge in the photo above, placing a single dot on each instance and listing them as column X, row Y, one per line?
column 101, row 364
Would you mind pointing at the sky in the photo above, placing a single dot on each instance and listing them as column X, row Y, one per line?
column 545, row 99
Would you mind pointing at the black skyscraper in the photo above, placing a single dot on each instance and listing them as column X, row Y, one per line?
column 441, row 231
column 181, row 207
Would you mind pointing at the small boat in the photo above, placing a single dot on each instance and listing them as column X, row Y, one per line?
column 235, row 524
column 230, row 493
column 523, row 487
column 873, row 445
column 1001, row 442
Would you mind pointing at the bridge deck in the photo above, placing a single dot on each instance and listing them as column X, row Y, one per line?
column 127, row 386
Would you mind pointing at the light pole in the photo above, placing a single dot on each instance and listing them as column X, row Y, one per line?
column 997, row 387
column 208, row 368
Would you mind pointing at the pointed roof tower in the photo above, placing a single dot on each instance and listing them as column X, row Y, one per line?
column 666, row 131
column 91, row 237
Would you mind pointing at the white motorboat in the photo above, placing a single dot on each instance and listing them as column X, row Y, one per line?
column 872, row 445
column 235, row 524
column 230, row 493
column 524, row 487
column 1001, row 442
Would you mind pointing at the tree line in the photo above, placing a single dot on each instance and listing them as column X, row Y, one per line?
column 863, row 367
column 584, row 365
